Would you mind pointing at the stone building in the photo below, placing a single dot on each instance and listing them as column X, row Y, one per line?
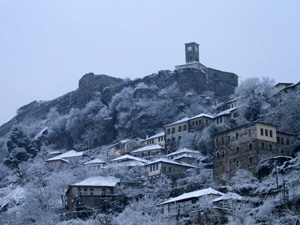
column 157, row 139
column 176, row 130
column 243, row 147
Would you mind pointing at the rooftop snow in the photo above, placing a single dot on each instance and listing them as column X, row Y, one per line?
column 148, row 148
column 202, row 115
column 156, row 135
column 94, row 161
column 69, row 154
column 164, row 160
column 129, row 157
column 179, row 121
column 125, row 140
column 225, row 112
column 98, row 181
column 229, row 195
column 182, row 151
column 194, row 194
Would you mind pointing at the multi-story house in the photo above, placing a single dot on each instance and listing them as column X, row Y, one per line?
column 157, row 139
column 148, row 151
column 243, row 147
column 70, row 158
column 174, row 131
column 126, row 145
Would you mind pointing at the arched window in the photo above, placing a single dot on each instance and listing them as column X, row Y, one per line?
column 250, row 146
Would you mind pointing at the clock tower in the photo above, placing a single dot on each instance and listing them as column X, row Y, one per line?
column 191, row 52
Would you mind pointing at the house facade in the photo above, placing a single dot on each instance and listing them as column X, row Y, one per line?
column 94, row 166
column 126, row 145
column 166, row 167
column 184, row 156
column 157, row 139
column 243, row 148
column 70, row 158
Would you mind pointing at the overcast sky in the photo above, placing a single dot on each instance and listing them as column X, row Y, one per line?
column 47, row 46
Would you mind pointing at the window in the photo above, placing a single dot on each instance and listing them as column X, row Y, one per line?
column 282, row 141
column 228, row 137
column 149, row 153
column 165, row 169
column 250, row 160
column 179, row 129
column 266, row 132
column 237, row 164
column 262, row 145
column 184, row 127
column 156, row 166
column 287, row 141
column 271, row 133
column 199, row 122
column 271, row 147
column 236, row 136
column 193, row 122
column 261, row 132
column 288, row 152
column 217, row 140
column 173, row 130
column 222, row 140
column 223, row 154
column 250, row 146
column 221, row 168
column 170, row 169
column 104, row 191
column 218, row 155
column 237, row 150
column 278, row 140
column 168, row 131
column 196, row 122
column 150, row 168
column 206, row 121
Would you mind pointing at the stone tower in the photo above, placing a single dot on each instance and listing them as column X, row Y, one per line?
column 191, row 52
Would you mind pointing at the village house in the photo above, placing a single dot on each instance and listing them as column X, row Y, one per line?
column 176, row 130
column 126, row 145
column 243, row 147
column 157, row 139
column 184, row 155
column 129, row 161
column 281, row 86
column 102, row 193
column 182, row 205
column 166, row 167
column 148, row 151
column 227, row 117
column 70, row 158
column 94, row 165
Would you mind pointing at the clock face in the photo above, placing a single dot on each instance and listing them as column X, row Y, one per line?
column 189, row 48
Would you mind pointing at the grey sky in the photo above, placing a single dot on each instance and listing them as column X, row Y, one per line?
column 46, row 46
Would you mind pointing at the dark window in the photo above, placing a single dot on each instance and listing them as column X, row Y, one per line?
column 165, row 169
column 287, row 141
column 271, row 133
column 193, row 122
column 228, row 137
column 179, row 129
column 236, row 136
column 170, row 169
column 282, row 141
column 237, row 150
column 237, row 164
column 250, row 146
column 184, row 127
column 168, row 131
column 196, row 122
column 271, row 147
column 217, row 140
column 199, row 122
column 261, row 132
column 150, row 168
column 218, row 155
column 278, row 140
column 262, row 145
column 156, row 166
column 288, row 152
column 250, row 160
column 149, row 153
column 222, row 140
column 223, row 154
column 206, row 121
column 173, row 130
column 103, row 191
column 266, row 132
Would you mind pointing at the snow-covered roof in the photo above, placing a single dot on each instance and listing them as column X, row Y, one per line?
column 94, row 161
column 194, row 194
column 99, row 181
column 125, row 140
column 202, row 115
column 156, row 135
column 69, row 154
column 129, row 163
column 183, row 151
column 179, row 121
column 226, row 112
column 184, row 156
column 54, row 152
column 148, row 148
column 129, row 157
column 40, row 133
column 228, row 196
column 169, row 161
